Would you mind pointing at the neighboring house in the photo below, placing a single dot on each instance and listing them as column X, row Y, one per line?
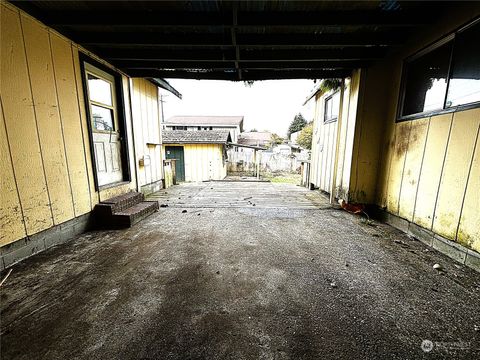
column 294, row 137
column 283, row 149
column 199, row 155
column 403, row 135
column 67, row 125
column 234, row 124
column 254, row 138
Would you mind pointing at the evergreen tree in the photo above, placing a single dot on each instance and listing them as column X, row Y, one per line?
column 297, row 124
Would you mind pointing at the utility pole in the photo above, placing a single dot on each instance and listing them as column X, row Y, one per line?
column 161, row 107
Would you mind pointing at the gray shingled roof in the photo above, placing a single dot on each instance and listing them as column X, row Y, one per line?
column 200, row 136
column 205, row 120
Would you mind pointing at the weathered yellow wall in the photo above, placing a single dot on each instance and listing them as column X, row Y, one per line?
column 324, row 141
column 146, row 122
column 428, row 172
column 46, row 167
column 202, row 161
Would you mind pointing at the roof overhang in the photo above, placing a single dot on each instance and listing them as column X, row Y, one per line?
column 237, row 40
column 164, row 84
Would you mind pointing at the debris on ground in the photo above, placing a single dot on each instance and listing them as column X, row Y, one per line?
column 438, row 267
column 184, row 211
column 247, row 198
column 6, row 277
column 333, row 285
column 164, row 205
column 357, row 209
column 477, row 327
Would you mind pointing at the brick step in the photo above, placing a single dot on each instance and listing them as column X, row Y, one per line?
column 132, row 215
column 118, row 203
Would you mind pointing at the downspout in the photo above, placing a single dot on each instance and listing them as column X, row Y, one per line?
column 337, row 144
column 135, row 159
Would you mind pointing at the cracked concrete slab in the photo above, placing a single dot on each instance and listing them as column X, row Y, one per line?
column 245, row 273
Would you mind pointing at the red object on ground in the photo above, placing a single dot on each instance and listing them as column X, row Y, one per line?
column 353, row 208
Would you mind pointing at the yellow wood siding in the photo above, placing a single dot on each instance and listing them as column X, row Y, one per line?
column 202, row 161
column 21, row 126
column 411, row 171
column 11, row 220
column 94, row 196
column 146, row 122
column 46, row 166
column 70, row 114
column 402, row 134
column 469, row 227
column 434, row 154
column 49, row 124
column 458, row 162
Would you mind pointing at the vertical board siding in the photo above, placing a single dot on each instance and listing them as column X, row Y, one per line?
column 48, row 119
column 21, row 128
column 47, row 171
column 94, row 196
column 203, row 162
column 469, row 228
column 70, row 115
column 455, row 173
column 411, row 172
column 441, row 154
column 11, row 218
column 146, row 126
column 431, row 171
column 400, row 146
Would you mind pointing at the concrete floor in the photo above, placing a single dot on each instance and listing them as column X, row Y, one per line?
column 233, row 270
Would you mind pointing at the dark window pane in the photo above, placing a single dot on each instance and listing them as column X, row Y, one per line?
column 102, row 118
column 426, row 81
column 464, row 85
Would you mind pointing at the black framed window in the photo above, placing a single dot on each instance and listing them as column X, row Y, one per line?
column 332, row 107
column 444, row 76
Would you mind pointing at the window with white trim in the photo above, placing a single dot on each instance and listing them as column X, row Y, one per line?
column 332, row 107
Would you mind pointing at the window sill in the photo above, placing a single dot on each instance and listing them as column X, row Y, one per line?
column 426, row 114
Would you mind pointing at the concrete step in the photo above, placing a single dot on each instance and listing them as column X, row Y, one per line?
column 132, row 215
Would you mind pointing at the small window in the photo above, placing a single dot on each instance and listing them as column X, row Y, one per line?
column 101, row 98
column 199, row 128
column 332, row 107
column 445, row 76
column 179, row 128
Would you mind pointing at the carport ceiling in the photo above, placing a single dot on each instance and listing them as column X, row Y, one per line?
column 236, row 40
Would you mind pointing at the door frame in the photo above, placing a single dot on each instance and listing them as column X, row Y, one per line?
column 121, row 114
column 183, row 163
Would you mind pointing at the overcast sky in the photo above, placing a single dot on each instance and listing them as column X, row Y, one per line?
column 266, row 105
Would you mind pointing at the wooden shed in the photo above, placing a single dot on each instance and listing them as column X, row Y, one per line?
column 199, row 155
